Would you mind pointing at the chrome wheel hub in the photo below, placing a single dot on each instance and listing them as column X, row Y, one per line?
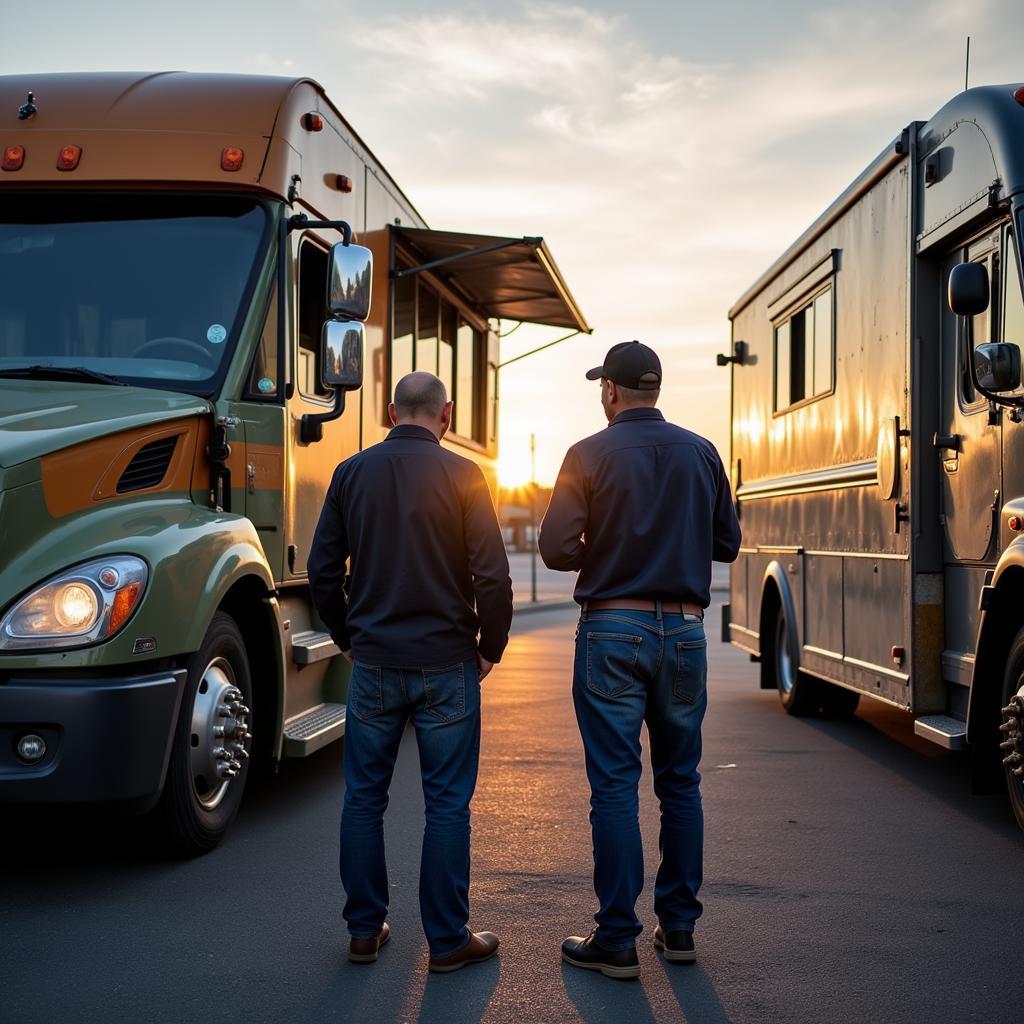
column 1012, row 733
column 219, row 734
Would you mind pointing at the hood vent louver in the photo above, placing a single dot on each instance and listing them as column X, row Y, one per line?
column 148, row 466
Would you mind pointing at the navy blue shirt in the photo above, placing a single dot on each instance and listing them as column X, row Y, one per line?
column 428, row 565
column 641, row 509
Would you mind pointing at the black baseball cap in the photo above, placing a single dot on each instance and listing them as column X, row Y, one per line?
column 631, row 365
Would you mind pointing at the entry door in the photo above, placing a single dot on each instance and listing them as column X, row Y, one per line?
column 312, row 465
column 970, row 471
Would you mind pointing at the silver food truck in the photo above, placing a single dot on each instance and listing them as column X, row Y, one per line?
column 878, row 448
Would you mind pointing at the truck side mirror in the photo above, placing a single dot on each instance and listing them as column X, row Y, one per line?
column 341, row 365
column 349, row 280
column 341, row 368
column 968, row 289
column 997, row 366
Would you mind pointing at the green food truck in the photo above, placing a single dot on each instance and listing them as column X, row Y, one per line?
column 208, row 286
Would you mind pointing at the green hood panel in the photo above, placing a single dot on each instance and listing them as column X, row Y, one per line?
column 38, row 417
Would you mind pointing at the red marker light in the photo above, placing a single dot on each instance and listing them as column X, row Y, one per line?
column 67, row 159
column 14, row 157
column 1018, row 95
column 231, row 159
column 312, row 122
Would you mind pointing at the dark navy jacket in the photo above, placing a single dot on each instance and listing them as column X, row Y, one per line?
column 428, row 565
column 641, row 509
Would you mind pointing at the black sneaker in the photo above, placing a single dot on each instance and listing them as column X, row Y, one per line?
column 586, row 953
column 677, row 946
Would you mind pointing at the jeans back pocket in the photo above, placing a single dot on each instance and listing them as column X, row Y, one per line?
column 611, row 661
column 445, row 692
column 366, row 691
column 691, row 669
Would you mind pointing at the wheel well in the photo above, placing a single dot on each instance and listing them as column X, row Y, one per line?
column 1003, row 620
column 245, row 603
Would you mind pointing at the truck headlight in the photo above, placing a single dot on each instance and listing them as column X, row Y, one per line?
column 81, row 606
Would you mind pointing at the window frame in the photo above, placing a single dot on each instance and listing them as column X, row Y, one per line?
column 316, row 241
column 466, row 314
column 806, row 302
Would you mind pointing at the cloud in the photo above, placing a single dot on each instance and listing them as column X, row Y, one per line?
column 663, row 185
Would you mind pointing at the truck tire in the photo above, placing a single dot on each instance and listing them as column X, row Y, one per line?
column 780, row 665
column 210, row 752
column 1011, row 728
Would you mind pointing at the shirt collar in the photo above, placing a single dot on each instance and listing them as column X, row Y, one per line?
column 412, row 432
column 642, row 413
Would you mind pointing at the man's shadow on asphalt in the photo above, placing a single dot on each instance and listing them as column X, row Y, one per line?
column 369, row 994
column 603, row 999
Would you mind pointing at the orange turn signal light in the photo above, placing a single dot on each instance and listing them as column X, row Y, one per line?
column 68, row 157
column 231, row 158
column 14, row 157
column 312, row 122
column 125, row 601
column 1015, row 523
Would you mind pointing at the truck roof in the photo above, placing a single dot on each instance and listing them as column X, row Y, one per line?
column 162, row 107
column 991, row 107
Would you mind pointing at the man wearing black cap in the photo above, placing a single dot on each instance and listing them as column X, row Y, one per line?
column 640, row 510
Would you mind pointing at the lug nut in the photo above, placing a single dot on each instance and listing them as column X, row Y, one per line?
column 242, row 753
column 235, row 766
column 222, row 754
column 1008, row 744
column 223, row 711
column 1019, row 772
column 218, row 731
column 1007, row 727
column 1012, row 759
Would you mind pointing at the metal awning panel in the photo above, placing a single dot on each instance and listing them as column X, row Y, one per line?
column 510, row 278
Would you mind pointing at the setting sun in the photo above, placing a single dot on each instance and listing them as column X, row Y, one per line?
column 514, row 467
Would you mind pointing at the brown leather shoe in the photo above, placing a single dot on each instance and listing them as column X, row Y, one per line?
column 481, row 946
column 364, row 951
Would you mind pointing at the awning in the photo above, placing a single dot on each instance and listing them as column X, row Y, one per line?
column 510, row 278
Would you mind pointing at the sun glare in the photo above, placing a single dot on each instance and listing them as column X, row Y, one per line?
column 513, row 467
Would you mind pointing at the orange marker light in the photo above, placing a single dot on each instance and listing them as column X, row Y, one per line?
column 1015, row 523
column 1018, row 95
column 124, row 604
column 14, row 157
column 67, row 159
column 231, row 158
column 312, row 122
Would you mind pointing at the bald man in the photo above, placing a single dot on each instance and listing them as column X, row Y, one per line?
column 426, row 617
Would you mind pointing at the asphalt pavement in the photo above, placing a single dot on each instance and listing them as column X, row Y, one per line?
column 850, row 876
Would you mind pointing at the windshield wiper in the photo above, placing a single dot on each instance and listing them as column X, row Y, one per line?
column 61, row 373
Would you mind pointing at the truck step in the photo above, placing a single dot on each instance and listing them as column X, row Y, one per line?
column 313, row 729
column 312, row 646
column 944, row 730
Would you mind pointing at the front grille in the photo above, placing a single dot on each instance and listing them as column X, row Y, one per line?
column 148, row 466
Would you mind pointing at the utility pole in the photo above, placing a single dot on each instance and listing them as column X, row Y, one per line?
column 533, row 516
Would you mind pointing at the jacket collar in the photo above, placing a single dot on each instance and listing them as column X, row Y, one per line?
column 411, row 432
column 643, row 413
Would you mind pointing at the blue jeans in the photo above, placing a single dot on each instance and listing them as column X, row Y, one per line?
column 444, row 706
column 633, row 667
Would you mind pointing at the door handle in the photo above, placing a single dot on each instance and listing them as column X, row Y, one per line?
column 951, row 442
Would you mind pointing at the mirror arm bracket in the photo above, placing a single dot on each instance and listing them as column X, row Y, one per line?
column 992, row 396
column 300, row 221
column 311, row 426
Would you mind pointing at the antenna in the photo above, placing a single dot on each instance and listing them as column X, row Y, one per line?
column 967, row 63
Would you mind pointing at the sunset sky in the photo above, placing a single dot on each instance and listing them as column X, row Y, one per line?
column 666, row 152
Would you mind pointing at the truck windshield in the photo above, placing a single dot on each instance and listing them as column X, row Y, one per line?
column 144, row 288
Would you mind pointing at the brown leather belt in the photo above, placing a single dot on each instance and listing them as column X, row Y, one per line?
column 632, row 604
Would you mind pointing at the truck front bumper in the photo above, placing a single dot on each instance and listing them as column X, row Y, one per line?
column 107, row 739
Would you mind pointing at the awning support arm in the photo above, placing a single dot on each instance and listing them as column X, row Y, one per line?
column 533, row 352
column 504, row 244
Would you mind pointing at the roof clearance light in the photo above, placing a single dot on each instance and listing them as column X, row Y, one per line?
column 67, row 159
column 231, row 158
column 14, row 157
column 312, row 122
column 1018, row 95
